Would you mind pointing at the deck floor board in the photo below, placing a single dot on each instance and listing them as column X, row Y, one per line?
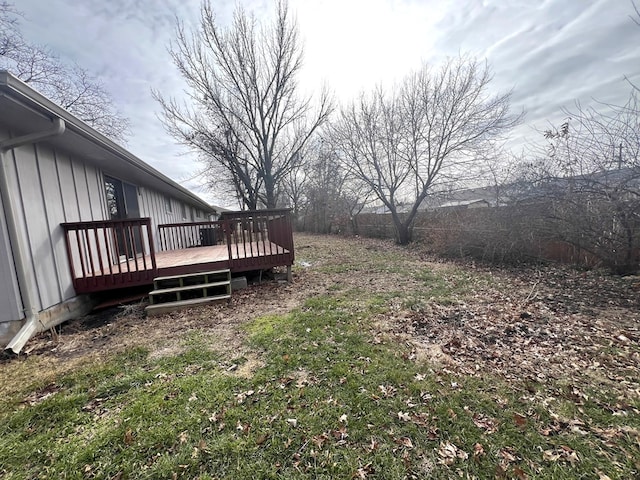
column 195, row 258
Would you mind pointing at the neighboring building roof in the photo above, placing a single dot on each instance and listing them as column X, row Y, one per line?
column 25, row 111
column 460, row 198
column 465, row 203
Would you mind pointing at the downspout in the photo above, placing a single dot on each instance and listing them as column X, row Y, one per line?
column 31, row 325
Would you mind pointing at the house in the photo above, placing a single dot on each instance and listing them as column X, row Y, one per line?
column 79, row 214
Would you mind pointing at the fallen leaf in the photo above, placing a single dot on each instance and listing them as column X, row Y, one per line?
column 128, row 437
column 319, row 440
column 404, row 416
column 363, row 472
column 449, row 453
column 373, row 446
column 360, row 473
column 478, row 450
column 387, row 390
column 520, row 420
column 242, row 427
column 602, row 476
column 550, row 456
column 405, row 442
column 520, row 473
column 341, row 433
column 488, row 424
column 508, row 454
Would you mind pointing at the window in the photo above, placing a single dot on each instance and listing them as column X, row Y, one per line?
column 167, row 204
column 183, row 210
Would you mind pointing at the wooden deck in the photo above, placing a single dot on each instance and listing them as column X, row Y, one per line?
column 247, row 241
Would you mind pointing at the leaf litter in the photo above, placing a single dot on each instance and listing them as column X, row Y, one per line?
column 530, row 325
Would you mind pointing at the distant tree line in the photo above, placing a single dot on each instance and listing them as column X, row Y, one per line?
column 439, row 130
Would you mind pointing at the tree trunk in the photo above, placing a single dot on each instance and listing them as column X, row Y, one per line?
column 355, row 229
column 403, row 233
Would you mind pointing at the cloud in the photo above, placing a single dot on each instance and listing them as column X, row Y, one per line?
column 550, row 52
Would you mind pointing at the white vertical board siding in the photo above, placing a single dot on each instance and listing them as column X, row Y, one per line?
column 10, row 301
column 50, row 188
column 152, row 204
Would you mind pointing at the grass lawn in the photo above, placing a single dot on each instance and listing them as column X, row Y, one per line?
column 377, row 362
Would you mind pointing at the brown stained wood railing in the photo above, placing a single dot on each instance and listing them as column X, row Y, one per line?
column 113, row 254
column 254, row 239
column 110, row 253
column 177, row 236
column 260, row 238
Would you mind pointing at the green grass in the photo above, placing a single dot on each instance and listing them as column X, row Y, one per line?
column 328, row 401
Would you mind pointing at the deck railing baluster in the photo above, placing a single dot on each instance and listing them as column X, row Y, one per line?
column 108, row 250
column 152, row 252
column 226, row 230
column 114, row 237
column 80, row 254
column 248, row 224
column 126, row 247
column 236, row 237
column 90, row 254
column 67, row 242
column 95, row 236
column 142, row 239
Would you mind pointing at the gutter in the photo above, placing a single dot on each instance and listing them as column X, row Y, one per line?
column 75, row 125
column 32, row 324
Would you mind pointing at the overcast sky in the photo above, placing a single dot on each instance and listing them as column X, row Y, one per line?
column 550, row 52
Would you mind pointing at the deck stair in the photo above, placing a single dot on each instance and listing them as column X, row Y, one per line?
column 183, row 291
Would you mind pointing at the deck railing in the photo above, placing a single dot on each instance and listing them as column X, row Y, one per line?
column 176, row 236
column 250, row 236
column 113, row 254
column 110, row 253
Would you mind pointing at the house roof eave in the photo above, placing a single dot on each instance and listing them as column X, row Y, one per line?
column 81, row 137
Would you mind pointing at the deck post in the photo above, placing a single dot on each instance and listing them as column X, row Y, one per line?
column 289, row 274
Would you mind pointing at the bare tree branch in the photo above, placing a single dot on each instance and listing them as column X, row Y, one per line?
column 244, row 116
column 588, row 180
column 70, row 86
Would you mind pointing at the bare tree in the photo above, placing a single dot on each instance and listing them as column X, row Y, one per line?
column 588, row 181
column 295, row 185
column 245, row 114
column 70, row 86
column 428, row 131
